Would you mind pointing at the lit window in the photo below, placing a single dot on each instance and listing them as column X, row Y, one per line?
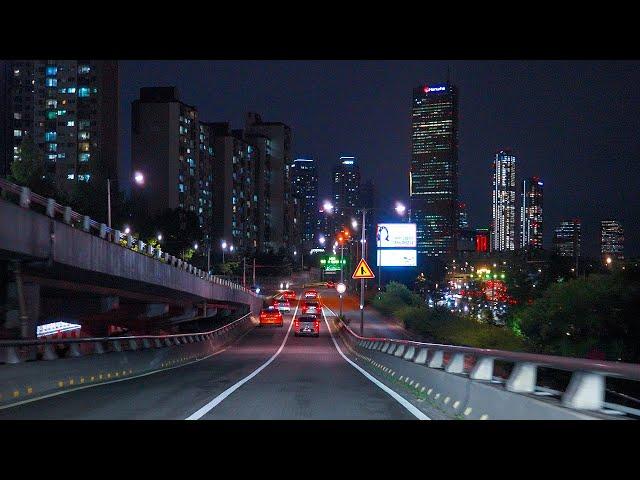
column 84, row 178
column 17, row 115
column 62, row 155
column 181, row 187
column 83, row 136
column 51, row 82
column 84, row 157
column 84, row 69
column 50, row 136
column 70, row 176
column 63, row 90
column 52, row 156
column 52, row 103
column 52, row 147
column 52, row 70
column 51, row 114
column 71, row 123
column 71, row 90
column 83, row 91
column 17, row 133
column 84, row 146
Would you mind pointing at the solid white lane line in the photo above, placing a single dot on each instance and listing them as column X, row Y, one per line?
column 401, row 400
column 213, row 403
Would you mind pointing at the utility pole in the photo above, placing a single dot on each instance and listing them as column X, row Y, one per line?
column 244, row 268
column 109, row 201
column 209, row 257
column 254, row 271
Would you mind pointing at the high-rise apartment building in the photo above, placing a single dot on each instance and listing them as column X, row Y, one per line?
column 274, row 142
column 503, row 226
column 531, row 214
column 305, row 187
column 175, row 153
column 611, row 239
column 346, row 191
column 69, row 109
column 433, row 177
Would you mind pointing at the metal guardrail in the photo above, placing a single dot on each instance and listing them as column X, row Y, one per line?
column 53, row 210
column 99, row 345
column 586, row 388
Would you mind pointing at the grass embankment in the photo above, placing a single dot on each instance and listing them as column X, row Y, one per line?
column 441, row 325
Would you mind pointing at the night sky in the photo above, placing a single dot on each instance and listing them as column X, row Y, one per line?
column 575, row 124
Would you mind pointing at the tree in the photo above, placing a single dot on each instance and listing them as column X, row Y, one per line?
column 29, row 169
column 583, row 315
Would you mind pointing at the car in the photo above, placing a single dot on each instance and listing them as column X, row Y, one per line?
column 282, row 304
column 311, row 307
column 289, row 295
column 310, row 294
column 306, row 325
column 271, row 316
column 331, row 284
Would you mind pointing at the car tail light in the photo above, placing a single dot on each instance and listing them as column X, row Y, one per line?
column 297, row 324
column 317, row 324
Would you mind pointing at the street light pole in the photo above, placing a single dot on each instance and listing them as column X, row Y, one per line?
column 109, row 201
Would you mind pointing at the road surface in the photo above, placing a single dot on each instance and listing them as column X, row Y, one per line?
column 268, row 374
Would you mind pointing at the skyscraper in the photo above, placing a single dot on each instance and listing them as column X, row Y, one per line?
column 433, row 177
column 531, row 214
column 612, row 239
column 305, row 188
column 346, row 191
column 69, row 109
column 567, row 238
column 503, row 226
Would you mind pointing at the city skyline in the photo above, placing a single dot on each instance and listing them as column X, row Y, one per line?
column 573, row 136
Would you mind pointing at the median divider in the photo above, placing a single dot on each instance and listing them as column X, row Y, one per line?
column 103, row 360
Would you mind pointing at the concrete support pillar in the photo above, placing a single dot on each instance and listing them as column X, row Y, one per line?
column 456, row 364
column 103, row 230
column 49, row 352
column 67, row 215
column 86, row 223
column 483, row 369
column 585, row 391
column 129, row 241
column 421, row 357
column 74, row 350
column 399, row 351
column 411, row 351
column 523, row 378
column 51, row 207
column 98, row 348
column 25, row 197
column 436, row 359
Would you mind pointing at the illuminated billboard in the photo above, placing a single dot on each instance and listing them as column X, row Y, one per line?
column 396, row 235
column 398, row 257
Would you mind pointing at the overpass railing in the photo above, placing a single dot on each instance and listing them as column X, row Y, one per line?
column 586, row 388
column 67, row 215
column 14, row 351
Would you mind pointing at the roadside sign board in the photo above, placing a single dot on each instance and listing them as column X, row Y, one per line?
column 362, row 271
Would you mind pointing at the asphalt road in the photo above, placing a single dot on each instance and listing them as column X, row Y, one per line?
column 268, row 374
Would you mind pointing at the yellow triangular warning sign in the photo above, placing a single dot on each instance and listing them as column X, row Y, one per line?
column 363, row 271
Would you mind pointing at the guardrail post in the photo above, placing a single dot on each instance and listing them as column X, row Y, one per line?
column 146, row 343
column 117, row 236
column 98, row 348
column 385, row 347
column 74, row 351
column 421, row 358
column 133, row 344
column 25, row 197
column 411, row 351
column 456, row 364
column 483, row 369
column 399, row 350
column 523, row 378
column 49, row 352
column 117, row 346
column 86, row 223
column 67, row 215
column 157, row 342
column 141, row 245
column 436, row 359
column 103, row 230
column 392, row 348
column 129, row 241
column 585, row 391
column 168, row 342
column 51, row 207
column 11, row 355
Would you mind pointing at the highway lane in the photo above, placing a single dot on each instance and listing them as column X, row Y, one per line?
column 308, row 379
